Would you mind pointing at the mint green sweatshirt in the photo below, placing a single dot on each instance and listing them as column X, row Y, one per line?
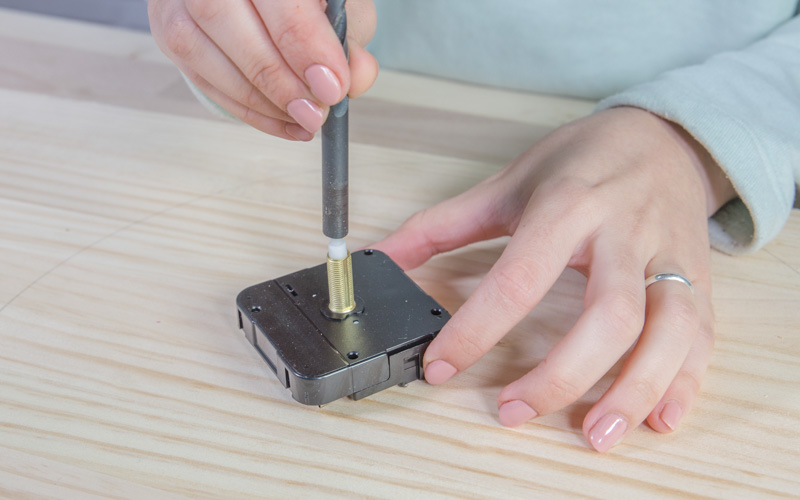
column 728, row 71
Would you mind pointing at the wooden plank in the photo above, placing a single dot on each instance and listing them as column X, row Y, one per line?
column 126, row 232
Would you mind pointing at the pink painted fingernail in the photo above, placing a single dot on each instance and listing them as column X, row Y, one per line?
column 671, row 414
column 607, row 432
column 306, row 113
column 515, row 413
column 298, row 132
column 324, row 84
column 439, row 372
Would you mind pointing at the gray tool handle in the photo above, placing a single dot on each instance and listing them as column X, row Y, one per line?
column 335, row 139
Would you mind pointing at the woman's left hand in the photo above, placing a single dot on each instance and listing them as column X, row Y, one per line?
column 619, row 195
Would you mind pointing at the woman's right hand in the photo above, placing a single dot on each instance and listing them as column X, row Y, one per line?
column 275, row 65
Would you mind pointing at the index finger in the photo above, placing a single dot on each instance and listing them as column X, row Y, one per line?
column 533, row 260
column 304, row 37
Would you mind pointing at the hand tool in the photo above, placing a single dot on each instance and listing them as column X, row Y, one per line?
column 335, row 139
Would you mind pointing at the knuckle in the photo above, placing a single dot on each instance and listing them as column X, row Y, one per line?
column 248, row 115
column 295, row 33
column 705, row 329
column 180, row 35
column 646, row 393
column 467, row 343
column 623, row 313
column 206, row 11
column 689, row 379
column 514, row 283
column 563, row 391
column 682, row 314
column 417, row 220
column 432, row 240
column 254, row 99
column 706, row 334
column 567, row 187
column 576, row 200
column 560, row 389
column 265, row 76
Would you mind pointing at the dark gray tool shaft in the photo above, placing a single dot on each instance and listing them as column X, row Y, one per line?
column 335, row 139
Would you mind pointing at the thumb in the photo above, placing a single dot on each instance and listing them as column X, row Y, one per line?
column 363, row 70
column 361, row 23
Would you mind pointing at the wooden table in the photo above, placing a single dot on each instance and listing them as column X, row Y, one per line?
column 130, row 219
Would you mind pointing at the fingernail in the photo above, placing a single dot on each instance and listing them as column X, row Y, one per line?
column 323, row 84
column 607, row 432
column 298, row 132
column 515, row 413
column 671, row 414
column 439, row 372
column 306, row 113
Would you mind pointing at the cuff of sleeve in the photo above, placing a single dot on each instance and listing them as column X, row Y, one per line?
column 765, row 198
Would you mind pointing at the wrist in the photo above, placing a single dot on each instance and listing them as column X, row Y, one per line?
column 717, row 187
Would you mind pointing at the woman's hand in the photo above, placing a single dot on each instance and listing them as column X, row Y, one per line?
column 619, row 195
column 275, row 65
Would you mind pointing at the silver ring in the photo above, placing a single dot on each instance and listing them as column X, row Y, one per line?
column 670, row 277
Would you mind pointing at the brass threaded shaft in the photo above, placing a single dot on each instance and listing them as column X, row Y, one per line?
column 340, row 285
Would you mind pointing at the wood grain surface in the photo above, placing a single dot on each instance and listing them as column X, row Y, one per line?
column 129, row 221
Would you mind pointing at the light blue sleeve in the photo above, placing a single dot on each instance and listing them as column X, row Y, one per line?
column 744, row 107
